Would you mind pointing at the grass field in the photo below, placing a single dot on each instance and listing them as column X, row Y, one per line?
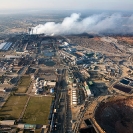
column 13, row 107
column 38, row 110
column 23, row 84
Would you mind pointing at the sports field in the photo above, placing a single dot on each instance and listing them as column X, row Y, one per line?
column 13, row 107
column 23, row 84
column 38, row 110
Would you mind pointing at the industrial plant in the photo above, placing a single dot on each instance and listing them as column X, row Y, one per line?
column 65, row 81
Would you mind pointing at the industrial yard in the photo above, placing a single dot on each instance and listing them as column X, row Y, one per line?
column 55, row 76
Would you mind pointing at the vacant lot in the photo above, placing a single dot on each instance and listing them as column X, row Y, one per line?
column 13, row 107
column 38, row 110
column 23, row 84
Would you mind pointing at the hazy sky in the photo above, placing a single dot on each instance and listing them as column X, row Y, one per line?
column 67, row 4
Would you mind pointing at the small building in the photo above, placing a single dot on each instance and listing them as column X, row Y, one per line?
column 52, row 90
column 51, row 84
column 79, row 54
column 89, row 94
column 30, row 126
column 12, row 57
column 5, row 46
column 7, row 122
column 90, row 83
column 74, row 85
column 74, row 103
column 32, row 76
column 7, row 89
column 21, row 126
column 90, row 54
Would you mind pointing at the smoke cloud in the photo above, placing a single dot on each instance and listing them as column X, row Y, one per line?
column 101, row 23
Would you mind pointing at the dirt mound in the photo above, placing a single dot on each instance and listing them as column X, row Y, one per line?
column 116, row 116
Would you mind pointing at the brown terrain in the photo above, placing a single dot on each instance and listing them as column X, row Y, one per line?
column 95, row 44
column 116, row 115
column 125, row 39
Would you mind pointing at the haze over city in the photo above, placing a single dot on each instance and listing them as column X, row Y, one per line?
column 67, row 4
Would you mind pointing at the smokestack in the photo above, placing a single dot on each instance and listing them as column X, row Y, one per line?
column 29, row 30
column 32, row 31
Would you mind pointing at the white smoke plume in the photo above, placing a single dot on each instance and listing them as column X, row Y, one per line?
column 101, row 23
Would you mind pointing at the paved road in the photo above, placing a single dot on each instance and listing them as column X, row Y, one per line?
column 62, row 113
column 69, row 115
column 61, row 103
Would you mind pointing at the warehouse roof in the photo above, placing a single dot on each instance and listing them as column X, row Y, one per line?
column 12, row 56
column 2, row 45
column 49, row 83
column 7, row 122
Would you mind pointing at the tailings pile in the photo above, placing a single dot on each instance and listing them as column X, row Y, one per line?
column 116, row 116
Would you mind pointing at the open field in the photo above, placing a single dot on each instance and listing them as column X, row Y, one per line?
column 37, row 111
column 13, row 107
column 23, row 84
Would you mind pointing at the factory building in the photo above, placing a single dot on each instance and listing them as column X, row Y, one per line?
column 7, row 122
column 67, row 55
column 63, row 45
column 87, row 90
column 12, row 57
column 79, row 54
column 5, row 46
column 38, row 86
column 70, row 50
column 51, row 84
